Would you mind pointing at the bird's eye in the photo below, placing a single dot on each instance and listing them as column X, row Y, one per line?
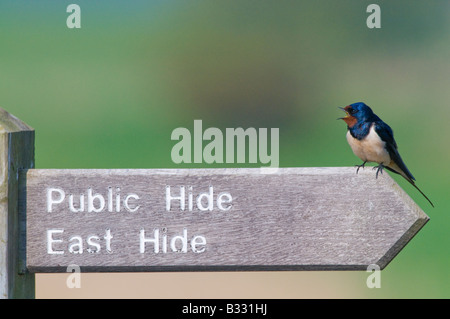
column 352, row 111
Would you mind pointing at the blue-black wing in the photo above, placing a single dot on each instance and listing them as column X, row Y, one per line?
column 387, row 135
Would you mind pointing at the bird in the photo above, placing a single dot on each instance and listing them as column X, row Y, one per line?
column 372, row 140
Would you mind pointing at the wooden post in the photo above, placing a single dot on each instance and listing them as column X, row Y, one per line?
column 16, row 152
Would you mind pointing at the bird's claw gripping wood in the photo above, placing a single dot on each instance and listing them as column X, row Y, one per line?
column 359, row 166
column 379, row 169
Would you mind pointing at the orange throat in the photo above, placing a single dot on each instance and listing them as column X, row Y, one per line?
column 350, row 120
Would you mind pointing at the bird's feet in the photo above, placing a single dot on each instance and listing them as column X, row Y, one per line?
column 359, row 166
column 379, row 169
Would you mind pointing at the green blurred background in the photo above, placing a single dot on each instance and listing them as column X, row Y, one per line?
column 108, row 95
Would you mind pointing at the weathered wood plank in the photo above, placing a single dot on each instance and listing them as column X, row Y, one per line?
column 293, row 219
column 16, row 152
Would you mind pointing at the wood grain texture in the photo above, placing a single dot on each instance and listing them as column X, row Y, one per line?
column 293, row 219
column 16, row 152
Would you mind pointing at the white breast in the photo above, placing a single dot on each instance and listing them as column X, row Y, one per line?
column 370, row 149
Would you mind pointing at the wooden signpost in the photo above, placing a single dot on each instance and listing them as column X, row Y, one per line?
column 204, row 219
column 215, row 219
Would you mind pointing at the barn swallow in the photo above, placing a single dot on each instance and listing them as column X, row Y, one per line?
column 372, row 140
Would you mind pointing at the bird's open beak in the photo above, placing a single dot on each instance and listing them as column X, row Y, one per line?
column 346, row 116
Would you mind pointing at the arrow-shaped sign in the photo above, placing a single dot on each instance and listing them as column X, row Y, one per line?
column 215, row 219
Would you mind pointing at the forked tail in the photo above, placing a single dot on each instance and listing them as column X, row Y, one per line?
column 413, row 184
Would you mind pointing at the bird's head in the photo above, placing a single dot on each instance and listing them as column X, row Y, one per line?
column 356, row 112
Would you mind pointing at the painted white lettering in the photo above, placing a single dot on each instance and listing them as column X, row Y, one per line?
column 126, row 205
column 169, row 198
column 209, row 200
column 91, row 198
column 183, row 239
column 76, row 246
column 203, row 202
column 144, row 240
column 80, row 207
column 93, row 202
column 198, row 244
column 177, row 243
column 93, row 243
column 52, row 200
column 51, row 240
column 108, row 238
column 224, row 198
